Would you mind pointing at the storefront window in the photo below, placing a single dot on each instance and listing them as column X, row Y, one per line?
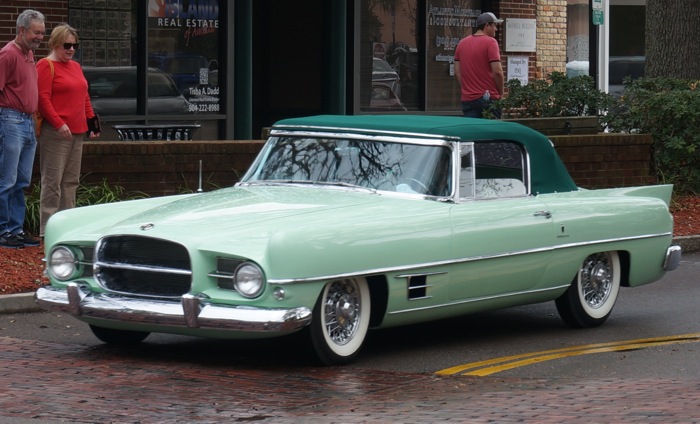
column 107, row 31
column 577, row 37
column 389, row 56
column 448, row 21
column 627, row 55
column 183, row 41
column 391, row 51
column 183, row 55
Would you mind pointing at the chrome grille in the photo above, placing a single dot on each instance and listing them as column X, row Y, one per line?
column 143, row 266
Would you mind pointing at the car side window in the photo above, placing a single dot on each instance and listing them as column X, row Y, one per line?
column 498, row 171
column 466, row 170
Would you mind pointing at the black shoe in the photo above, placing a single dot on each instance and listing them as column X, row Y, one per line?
column 26, row 240
column 11, row 241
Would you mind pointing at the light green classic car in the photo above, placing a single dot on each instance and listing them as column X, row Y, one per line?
column 348, row 223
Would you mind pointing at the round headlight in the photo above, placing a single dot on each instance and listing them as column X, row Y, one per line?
column 248, row 280
column 62, row 263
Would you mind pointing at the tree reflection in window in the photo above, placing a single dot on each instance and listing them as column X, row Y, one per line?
column 500, row 169
column 400, row 167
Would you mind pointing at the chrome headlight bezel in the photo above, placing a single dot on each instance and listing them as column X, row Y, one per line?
column 63, row 263
column 249, row 280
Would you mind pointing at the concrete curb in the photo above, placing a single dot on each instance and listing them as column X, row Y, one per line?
column 18, row 303
column 24, row 302
column 689, row 244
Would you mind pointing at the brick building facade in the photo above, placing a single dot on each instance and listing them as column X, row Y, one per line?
column 164, row 168
column 323, row 83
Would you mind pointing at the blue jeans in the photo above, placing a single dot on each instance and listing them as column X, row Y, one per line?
column 17, row 147
column 475, row 108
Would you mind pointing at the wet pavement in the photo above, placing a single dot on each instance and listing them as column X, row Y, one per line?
column 55, row 382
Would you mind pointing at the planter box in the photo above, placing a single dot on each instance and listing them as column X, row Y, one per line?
column 565, row 125
column 607, row 160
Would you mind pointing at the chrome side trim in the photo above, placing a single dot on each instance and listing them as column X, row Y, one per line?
column 407, row 268
column 613, row 240
column 421, row 274
column 480, row 299
column 673, row 258
column 190, row 312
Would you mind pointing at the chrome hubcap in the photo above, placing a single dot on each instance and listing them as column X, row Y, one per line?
column 341, row 311
column 596, row 280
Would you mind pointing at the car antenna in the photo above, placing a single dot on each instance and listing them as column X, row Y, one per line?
column 199, row 188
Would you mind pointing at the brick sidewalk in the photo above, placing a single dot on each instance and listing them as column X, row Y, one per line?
column 72, row 383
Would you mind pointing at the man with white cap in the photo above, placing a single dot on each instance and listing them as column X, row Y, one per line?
column 478, row 68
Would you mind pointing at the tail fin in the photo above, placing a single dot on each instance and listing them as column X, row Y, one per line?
column 662, row 192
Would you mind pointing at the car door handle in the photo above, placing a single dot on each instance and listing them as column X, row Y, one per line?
column 546, row 214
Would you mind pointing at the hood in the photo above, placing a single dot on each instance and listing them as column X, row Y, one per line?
column 281, row 225
column 240, row 210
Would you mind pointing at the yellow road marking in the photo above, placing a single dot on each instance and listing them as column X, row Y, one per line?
column 492, row 366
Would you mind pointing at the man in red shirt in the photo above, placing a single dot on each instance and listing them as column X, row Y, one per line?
column 19, row 99
column 478, row 68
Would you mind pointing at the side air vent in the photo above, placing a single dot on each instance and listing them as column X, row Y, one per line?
column 225, row 267
column 417, row 287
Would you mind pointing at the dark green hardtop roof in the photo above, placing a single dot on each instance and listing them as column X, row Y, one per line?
column 548, row 173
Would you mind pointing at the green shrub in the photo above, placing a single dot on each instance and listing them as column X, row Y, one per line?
column 87, row 194
column 669, row 110
column 557, row 96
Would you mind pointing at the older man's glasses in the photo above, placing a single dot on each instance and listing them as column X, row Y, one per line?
column 67, row 46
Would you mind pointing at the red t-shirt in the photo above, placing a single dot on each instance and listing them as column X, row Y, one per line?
column 474, row 55
column 18, row 89
column 64, row 98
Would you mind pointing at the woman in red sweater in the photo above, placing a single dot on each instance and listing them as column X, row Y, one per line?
column 65, row 105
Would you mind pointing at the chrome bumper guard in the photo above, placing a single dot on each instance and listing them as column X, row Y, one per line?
column 673, row 258
column 191, row 312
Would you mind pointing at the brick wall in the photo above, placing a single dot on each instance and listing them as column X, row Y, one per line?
column 551, row 34
column 159, row 168
column 551, row 37
column 609, row 160
column 55, row 12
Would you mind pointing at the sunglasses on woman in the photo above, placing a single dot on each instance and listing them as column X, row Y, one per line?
column 67, row 46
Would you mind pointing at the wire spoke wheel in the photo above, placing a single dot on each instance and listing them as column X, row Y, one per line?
column 589, row 300
column 340, row 321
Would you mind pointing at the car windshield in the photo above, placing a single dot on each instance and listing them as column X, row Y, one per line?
column 386, row 166
column 379, row 65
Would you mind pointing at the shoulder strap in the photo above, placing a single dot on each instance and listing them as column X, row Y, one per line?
column 50, row 65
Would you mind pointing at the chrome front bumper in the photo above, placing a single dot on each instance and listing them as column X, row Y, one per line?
column 191, row 312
